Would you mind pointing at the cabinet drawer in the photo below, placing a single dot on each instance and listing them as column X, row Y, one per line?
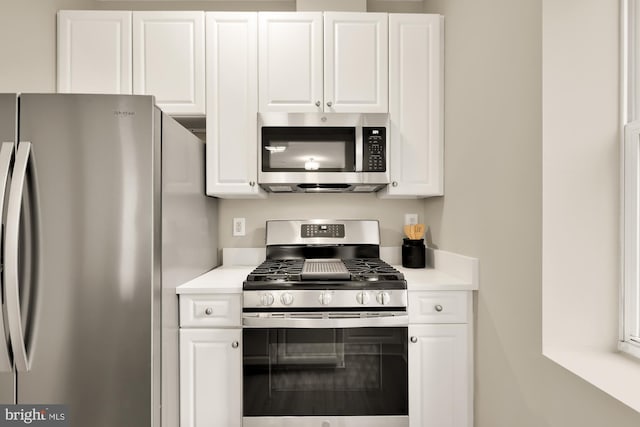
column 439, row 307
column 222, row 310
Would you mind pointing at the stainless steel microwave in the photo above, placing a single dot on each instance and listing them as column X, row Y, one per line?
column 314, row 152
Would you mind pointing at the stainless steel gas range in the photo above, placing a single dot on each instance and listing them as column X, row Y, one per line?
column 324, row 330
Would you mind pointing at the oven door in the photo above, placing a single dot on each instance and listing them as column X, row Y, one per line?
column 325, row 370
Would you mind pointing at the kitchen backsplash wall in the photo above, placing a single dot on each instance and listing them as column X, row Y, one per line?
column 390, row 213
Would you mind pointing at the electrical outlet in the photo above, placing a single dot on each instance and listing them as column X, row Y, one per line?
column 239, row 226
column 410, row 218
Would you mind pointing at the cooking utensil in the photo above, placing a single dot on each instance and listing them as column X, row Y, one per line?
column 414, row 231
column 407, row 231
column 418, row 231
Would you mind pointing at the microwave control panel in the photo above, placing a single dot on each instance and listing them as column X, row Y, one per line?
column 374, row 149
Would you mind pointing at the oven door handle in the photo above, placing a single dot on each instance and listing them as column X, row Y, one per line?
column 314, row 321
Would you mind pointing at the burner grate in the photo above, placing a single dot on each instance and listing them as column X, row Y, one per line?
column 296, row 270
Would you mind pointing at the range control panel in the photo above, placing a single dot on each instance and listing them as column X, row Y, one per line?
column 374, row 149
column 322, row 230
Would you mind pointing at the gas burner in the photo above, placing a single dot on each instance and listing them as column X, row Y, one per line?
column 277, row 270
column 371, row 269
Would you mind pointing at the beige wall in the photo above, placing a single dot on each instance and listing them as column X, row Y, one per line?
column 492, row 207
column 390, row 213
column 493, row 203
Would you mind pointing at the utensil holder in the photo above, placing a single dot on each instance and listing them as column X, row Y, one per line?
column 413, row 253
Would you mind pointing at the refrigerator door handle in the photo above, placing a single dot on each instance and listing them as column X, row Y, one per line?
column 6, row 159
column 11, row 256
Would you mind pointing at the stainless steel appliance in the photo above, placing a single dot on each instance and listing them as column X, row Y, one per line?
column 104, row 212
column 324, row 330
column 323, row 152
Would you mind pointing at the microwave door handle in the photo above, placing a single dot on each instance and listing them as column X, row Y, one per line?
column 6, row 159
column 11, row 267
column 314, row 322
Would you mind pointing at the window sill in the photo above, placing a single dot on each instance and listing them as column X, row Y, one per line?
column 614, row 373
column 630, row 349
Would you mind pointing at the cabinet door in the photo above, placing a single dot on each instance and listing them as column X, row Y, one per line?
column 94, row 52
column 415, row 105
column 168, row 60
column 210, row 377
column 290, row 77
column 356, row 62
column 440, row 387
column 232, row 96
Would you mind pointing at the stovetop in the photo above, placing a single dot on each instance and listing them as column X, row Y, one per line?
column 367, row 269
column 371, row 273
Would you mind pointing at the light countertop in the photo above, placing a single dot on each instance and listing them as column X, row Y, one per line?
column 451, row 272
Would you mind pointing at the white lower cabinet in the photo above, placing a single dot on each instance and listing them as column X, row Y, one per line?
column 210, row 362
column 440, row 360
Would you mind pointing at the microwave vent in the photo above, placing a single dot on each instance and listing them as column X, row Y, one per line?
column 365, row 188
column 280, row 189
column 375, row 120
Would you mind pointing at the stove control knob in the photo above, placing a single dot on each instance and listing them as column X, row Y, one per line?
column 325, row 298
column 363, row 298
column 383, row 298
column 266, row 299
column 286, row 298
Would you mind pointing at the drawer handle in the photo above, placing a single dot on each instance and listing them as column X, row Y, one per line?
column 414, row 339
column 438, row 308
column 235, row 344
column 208, row 311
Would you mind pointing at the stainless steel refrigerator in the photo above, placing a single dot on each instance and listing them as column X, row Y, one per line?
column 103, row 215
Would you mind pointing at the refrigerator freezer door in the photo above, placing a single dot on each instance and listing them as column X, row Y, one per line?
column 8, row 117
column 90, row 338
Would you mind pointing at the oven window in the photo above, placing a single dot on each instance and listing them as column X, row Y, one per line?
column 330, row 372
column 300, row 149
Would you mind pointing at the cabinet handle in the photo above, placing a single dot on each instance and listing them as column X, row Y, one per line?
column 235, row 344
column 394, row 183
column 318, row 103
column 329, row 104
column 414, row 339
column 438, row 308
column 252, row 183
column 208, row 311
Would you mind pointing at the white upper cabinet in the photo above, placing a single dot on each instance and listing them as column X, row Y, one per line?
column 232, row 97
column 94, row 52
column 290, row 64
column 168, row 60
column 356, row 62
column 146, row 53
column 415, row 105
column 315, row 62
